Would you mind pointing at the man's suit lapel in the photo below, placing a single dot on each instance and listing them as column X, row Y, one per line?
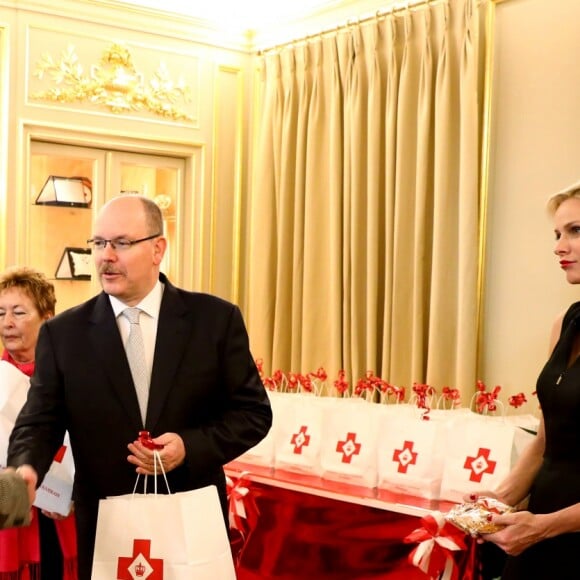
column 105, row 342
column 173, row 331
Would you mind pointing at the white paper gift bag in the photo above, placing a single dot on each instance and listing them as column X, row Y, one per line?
column 349, row 446
column 13, row 390
column 5, row 430
column 55, row 491
column 178, row 536
column 410, row 452
column 299, row 434
column 263, row 453
column 479, row 453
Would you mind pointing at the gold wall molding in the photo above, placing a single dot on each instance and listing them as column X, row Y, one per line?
column 113, row 83
column 4, row 145
column 226, row 195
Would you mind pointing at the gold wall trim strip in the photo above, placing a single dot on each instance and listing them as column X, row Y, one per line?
column 201, row 225
column 238, row 193
column 255, row 130
column 237, row 179
column 485, row 172
column 4, row 70
column 213, row 185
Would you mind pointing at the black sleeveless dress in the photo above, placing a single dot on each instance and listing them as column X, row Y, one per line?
column 557, row 484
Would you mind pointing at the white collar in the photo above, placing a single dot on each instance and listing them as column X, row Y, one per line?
column 150, row 304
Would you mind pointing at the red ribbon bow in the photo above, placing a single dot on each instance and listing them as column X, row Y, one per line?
column 438, row 540
column 146, row 440
column 399, row 393
column 452, row 395
column 341, row 384
column 517, row 400
column 241, row 505
column 486, row 400
column 320, row 374
column 422, row 392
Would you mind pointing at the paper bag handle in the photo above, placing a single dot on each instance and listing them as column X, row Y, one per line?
column 146, row 440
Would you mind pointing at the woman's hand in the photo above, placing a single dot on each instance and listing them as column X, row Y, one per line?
column 53, row 515
column 522, row 529
column 471, row 497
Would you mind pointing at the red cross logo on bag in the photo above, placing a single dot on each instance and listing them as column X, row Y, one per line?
column 348, row 448
column 300, row 440
column 480, row 464
column 140, row 566
column 405, row 456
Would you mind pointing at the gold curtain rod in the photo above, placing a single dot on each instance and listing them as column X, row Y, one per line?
column 395, row 9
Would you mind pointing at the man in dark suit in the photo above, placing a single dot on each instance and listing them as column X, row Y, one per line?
column 206, row 403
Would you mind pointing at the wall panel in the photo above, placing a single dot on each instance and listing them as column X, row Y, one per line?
column 535, row 148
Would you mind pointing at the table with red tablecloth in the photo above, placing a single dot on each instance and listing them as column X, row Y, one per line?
column 308, row 528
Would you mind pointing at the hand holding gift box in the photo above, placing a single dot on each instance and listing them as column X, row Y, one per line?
column 475, row 517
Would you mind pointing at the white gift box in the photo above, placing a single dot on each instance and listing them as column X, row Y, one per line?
column 55, row 491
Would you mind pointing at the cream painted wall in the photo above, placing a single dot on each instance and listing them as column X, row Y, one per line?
column 535, row 152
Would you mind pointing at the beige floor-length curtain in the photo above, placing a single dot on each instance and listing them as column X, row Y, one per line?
column 364, row 202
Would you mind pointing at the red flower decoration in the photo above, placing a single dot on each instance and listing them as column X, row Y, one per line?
column 517, row 400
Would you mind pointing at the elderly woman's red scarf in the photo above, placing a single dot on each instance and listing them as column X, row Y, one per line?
column 20, row 547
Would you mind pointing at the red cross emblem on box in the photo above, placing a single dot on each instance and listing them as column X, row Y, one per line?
column 300, row 439
column 349, row 447
column 405, row 456
column 480, row 464
column 140, row 566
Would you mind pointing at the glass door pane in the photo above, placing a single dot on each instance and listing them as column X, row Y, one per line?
column 63, row 184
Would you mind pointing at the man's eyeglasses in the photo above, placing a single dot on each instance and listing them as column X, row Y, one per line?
column 117, row 243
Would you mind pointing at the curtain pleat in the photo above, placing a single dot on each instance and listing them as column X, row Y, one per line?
column 423, row 228
column 391, row 74
column 443, row 299
column 356, row 195
column 404, row 343
column 322, row 289
column 468, row 191
column 287, row 128
column 303, row 193
column 365, row 201
column 375, row 209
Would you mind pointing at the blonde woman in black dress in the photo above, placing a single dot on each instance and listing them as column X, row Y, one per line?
column 543, row 540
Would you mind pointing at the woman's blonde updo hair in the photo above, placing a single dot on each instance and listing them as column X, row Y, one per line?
column 572, row 191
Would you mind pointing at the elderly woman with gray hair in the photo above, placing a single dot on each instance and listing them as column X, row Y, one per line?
column 46, row 548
